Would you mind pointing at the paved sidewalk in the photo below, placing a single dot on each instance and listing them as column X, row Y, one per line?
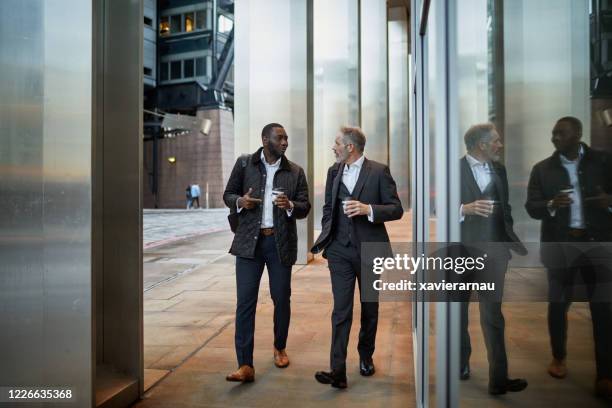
column 189, row 306
column 161, row 227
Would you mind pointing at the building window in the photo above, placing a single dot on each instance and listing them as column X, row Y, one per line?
column 175, row 70
column 175, row 23
column 148, row 71
column 148, row 22
column 188, row 68
column 164, row 26
column 225, row 24
column 163, row 71
column 200, row 66
column 200, row 20
column 189, row 22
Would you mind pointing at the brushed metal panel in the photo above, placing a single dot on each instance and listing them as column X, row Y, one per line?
column 45, row 194
column 276, row 92
column 374, row 78
column 399, row 97
column 122, row 186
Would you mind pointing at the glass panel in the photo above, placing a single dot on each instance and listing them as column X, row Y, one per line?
column 200, row 17
column 175, row 70
column 164, row 26
column 163, row 71
column 175, row 24
column 225, row 24
column 524, row 65
column 189, row 22
column 200, row 66
column 336, row 84
column 188, row 68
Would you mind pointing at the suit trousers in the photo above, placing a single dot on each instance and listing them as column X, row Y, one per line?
column 492, row 323
column 345, row 267
column 248, row 276
column 562, row 291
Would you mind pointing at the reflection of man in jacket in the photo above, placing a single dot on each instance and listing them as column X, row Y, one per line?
column 486, row 216
column 266, row 236
column 360, row 196
column 571, row 193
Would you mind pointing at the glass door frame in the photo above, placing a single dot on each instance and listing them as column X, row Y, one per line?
column 441, row 22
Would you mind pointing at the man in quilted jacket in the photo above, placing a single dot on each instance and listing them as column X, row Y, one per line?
column 268, row 193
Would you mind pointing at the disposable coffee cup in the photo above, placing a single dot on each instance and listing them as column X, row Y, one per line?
column 277, row 192
column 344, row 202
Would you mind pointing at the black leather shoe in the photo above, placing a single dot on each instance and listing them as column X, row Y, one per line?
column 337, row 379
column 512, row 385
column 465, row 372
column 366, row 367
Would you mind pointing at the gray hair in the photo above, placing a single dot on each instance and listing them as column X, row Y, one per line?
column 482, row 132
column 355, row 136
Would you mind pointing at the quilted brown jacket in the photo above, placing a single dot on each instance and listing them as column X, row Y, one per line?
column 291, row 177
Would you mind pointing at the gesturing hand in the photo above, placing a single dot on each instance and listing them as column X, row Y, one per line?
column 247, row 202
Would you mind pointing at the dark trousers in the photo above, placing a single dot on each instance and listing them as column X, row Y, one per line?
column 561, row 293
column 248, row 276
column 345, row 267
column 492, row 323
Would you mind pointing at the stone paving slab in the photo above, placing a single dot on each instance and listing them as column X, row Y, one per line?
column 161, row 227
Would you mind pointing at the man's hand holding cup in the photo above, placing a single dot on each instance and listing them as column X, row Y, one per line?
column 353, row 208
column 280, row 199
column 481, row 208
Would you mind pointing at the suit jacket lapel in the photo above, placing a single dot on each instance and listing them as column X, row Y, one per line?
column 336, row 185
column 468, row 177
column 363, row 175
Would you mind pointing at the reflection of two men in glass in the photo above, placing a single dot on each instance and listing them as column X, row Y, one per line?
column 570, row 192
column 360, row 196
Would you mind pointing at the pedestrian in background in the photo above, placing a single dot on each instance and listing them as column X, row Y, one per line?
column 188, row 196
column 195, row 196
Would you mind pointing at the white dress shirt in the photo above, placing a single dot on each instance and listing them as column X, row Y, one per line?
column 350, row 175
column 482, row 175
column 576, row 214
column 267, row 215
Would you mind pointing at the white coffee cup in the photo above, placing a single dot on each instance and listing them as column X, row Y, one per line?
column 277, row 192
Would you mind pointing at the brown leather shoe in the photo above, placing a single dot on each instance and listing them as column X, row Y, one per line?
column 557, row 368
column 603, row 388
column 244, row 374
column 281, row 360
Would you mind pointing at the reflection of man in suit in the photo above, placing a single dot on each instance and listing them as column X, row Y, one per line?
column 360, row 196
column 571, row 193
column 486, row 216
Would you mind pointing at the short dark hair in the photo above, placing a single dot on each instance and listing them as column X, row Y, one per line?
column 268, row 129
column 478, row 133
column 575, row 122
column 355, row 136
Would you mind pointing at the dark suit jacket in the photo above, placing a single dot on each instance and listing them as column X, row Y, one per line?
column 549, row 176
column 471, row 227
column 374, row 186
